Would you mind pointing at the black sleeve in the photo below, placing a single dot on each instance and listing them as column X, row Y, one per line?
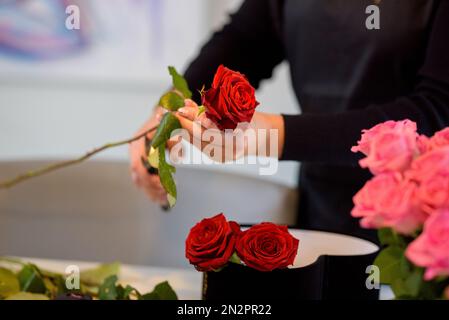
column 250, row 43
column 328, row 138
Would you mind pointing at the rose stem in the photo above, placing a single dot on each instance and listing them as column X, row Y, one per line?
column 59, row 165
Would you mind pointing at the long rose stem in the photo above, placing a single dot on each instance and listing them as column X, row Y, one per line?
column 59, row 165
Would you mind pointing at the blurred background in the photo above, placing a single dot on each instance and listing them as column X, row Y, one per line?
column 63, row 92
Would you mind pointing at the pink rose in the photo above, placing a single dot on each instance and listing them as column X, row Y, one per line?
column 364, row 144
column 389, row 146
column 431, row 249
column 388, row 200
column 433, row 192
column 440, row 139
column 430, row 164
column 423, row 144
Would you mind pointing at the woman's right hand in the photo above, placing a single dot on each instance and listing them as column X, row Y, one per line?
column 149, row 183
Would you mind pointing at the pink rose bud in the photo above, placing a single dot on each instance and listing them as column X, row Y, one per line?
column 389, row 146
column 431, row 249
column 440, row 139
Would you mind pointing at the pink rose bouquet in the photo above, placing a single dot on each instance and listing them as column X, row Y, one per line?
column 407, row 200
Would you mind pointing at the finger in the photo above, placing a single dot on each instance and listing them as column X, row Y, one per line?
column 138, row 171
column 156, row 198
column 206, row 122
column 176, row 149
column 187, row 124
column 190, row 103
column 151, row 182
column 190, row 113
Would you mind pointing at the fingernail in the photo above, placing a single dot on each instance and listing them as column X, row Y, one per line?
column 182, row 110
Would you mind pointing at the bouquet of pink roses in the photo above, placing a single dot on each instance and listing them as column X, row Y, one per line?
column 408, row 201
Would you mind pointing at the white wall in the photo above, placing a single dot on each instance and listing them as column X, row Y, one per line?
column 59, row 118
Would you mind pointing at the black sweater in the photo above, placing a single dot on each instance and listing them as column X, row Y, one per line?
column 346, row 78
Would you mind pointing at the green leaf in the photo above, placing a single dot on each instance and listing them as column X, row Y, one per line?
column 388, row 237
column 180, row 83
column 96, row 276
column 168, row 124
column 9, row 284
column 124, row 293
column 171, row 200
column 165, row 175
column 108, row 290
column 31, row 280
column 389, row 263
column 27, row 296
column 414, row 281
column 201, row 109
column 55, row 286
column 153, row 157
column 163, row 291
column 171, row 101
column 408, row 287
column 235, row 259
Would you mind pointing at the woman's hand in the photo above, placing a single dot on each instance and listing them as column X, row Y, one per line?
column 264, row 136
column 149, row 183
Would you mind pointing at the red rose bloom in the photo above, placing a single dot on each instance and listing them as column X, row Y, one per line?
column 267, row 246
column 231, row 99
column 211, row 243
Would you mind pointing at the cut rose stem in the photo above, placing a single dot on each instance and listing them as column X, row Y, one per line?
column 63, row 164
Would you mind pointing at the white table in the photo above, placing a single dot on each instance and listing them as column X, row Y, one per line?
column 186, row 282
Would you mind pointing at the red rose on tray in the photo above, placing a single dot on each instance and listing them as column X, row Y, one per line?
column 211, row 242
column 266, row 247
column 230, row 100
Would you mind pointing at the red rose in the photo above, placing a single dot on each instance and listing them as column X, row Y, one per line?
column 231, row 99
column 211, row 243
column 266, row 247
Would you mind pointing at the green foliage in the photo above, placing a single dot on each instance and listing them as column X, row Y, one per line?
column 96, row 276
column 165, row 174
column 153, row 157
column 389, row 263
column 9, row 284
column 388, row 237
column 201, row 110
column 235, row 259
column 108, row 290
column 168, row 124
column 180, row 83
column 406, row 280
column 32, row 283
column 27, row 296
column 31, row 280
column 163, row 291
column 171, row 101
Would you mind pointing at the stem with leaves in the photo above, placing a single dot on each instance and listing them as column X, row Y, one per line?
column 171, row 101
column 63, row 164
